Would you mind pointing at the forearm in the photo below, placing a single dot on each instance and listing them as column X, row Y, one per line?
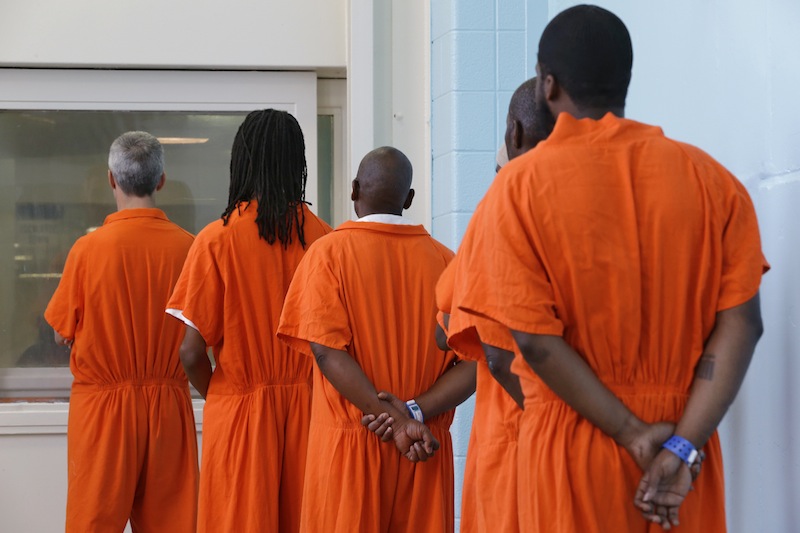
column 195, row 361
column 349, row 379
column 720, row 371
column 571, row 378
column 441, row 334
column 199, row 373
column 499, row 362
column 441, row 338
column 449, row 391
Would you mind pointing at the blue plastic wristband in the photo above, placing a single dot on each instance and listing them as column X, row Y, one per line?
column 416, row 412
column 682, row 448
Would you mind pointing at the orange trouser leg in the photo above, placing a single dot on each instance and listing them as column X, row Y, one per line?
column 296, row 409
column 166, row 499
column 254, row 451
column 103, row 459
column 469, row 490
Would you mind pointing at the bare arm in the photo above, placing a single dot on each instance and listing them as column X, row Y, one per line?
column 441, row 335
column 721, row 369
column 499, row 362
column 718, row 377
column 195, row 360
column 450, row 390
column 571, row 378
column 441, row 338
column 349, row 379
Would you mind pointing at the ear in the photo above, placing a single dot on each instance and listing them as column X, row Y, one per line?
column 111, row 181
column 356, row 188
column 409, row 199
column 516, row 134
column 161, row 181
column 552, row 89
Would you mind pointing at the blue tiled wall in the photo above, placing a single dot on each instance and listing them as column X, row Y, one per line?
column 481, row 51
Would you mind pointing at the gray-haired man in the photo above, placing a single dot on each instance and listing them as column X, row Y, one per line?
column 132, row 449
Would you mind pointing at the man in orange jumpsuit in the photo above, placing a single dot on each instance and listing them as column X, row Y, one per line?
column 489, row 495
column 627, row 266
column 362, row 303
column 131, row 438
column 230, row 295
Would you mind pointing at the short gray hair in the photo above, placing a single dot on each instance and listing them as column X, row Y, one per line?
column 136, row 159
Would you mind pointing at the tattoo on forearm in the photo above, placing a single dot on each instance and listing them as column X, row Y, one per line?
column 705, row 367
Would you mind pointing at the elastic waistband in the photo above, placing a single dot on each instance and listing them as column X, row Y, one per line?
column 138, row 382
column 230, row 389
column 543, row 394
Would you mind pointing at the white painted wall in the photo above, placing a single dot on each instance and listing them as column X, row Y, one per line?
column 300, row 34
column 388, row 83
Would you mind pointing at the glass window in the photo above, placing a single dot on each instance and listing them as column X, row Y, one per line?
column 325, row 167
column 56, row 127
column 54, row 188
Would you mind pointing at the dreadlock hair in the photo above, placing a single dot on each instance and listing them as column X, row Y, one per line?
column 268, row 164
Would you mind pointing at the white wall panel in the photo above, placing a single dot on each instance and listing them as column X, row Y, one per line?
column 235, row 34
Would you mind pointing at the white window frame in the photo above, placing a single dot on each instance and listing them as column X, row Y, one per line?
column 151, row 90
column 332, row 100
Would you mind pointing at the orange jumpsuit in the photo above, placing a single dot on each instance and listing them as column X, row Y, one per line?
column 489, row 489
column 627, row 244
column 131, row 437
column 368, row 288
column 255, row 420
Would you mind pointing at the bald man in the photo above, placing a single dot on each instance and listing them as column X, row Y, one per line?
column 523, row 133
column 489, row 496
column 362, row 304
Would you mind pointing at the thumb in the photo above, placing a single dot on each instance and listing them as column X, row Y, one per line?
column 649, row 483
column 431, row 442
column 645, row 492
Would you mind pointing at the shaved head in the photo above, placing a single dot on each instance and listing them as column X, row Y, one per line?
column 522, row 106
column 588, row 50
column 525, row 126
column 383, row 182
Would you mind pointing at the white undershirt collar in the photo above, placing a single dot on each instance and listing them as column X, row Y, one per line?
column 386, row 218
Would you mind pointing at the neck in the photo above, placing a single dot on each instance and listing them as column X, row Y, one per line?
column 596, row 113
column 363, row 211
column 134, row 202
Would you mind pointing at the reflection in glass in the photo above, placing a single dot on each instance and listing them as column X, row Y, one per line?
column 54, row 188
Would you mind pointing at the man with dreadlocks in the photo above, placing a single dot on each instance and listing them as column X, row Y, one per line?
column 362, row 303
column 230, row 294
column 627, row 266
column 131, row 437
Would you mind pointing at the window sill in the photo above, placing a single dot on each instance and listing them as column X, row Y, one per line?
column 50, row 418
